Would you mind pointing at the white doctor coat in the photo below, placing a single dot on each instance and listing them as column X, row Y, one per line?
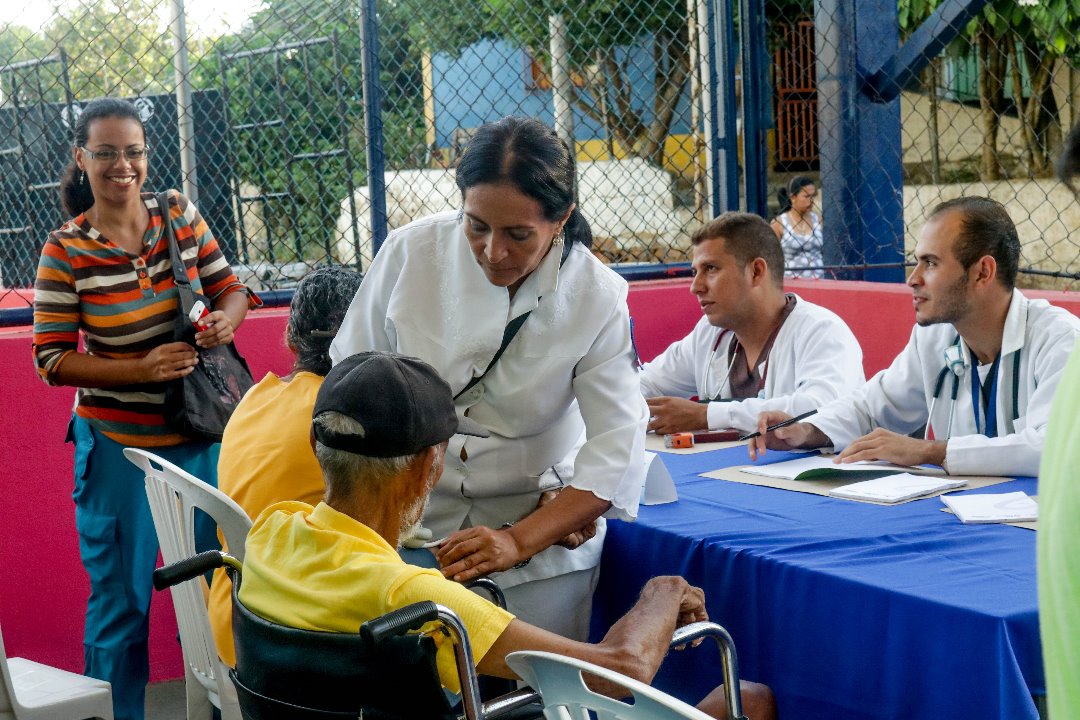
column 815, row 359
column 899, row 397
column 426, row 296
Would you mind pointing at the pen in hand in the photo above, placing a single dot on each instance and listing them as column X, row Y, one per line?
column 785, row 423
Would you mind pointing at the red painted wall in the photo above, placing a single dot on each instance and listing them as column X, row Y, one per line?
column 44, row 586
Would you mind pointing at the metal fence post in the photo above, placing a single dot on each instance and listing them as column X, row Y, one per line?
column 184, row 121
column 723, row 58
column 376, row 160
column 861, row 170
column 756, row 98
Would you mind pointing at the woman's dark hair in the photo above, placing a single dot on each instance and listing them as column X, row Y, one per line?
column 75, row 194
column 527, row 154
column 785, row 193
column 315, row 314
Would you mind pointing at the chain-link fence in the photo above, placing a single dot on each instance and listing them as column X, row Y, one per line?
column 671, row 119
column 986, row 116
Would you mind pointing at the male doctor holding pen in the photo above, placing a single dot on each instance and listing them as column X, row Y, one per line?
column 756, row 348
column 978, row 373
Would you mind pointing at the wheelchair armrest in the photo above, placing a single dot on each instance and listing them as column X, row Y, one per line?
column 398, row 622
column 728, row 659
column 509, row 702
column 491, row 588
column 192, row 567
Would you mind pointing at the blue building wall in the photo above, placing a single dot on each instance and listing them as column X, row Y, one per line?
column 491, row 79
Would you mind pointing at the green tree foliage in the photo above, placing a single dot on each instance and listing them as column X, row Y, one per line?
column 115, row 47
column 1016, row 42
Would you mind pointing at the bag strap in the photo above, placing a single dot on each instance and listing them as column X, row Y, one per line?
column 183, row 284
column 511, row 330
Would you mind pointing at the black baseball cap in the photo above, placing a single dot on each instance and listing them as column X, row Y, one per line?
column 402, row 403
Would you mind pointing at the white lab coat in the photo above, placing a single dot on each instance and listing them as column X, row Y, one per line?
column 899, row 397
column 426, row 296
column 814, row 360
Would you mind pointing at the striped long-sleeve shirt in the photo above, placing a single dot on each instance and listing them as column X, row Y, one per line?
column 125, row 305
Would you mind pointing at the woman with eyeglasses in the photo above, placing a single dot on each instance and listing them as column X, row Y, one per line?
column 107, row 274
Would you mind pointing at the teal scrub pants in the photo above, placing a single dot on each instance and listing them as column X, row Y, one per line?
column 119, row 550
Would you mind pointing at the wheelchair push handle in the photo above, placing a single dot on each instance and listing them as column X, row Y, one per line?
column 398, row 622
column 188, row 568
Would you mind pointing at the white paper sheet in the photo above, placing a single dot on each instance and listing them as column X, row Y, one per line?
column 999, row 508
column 896, row 488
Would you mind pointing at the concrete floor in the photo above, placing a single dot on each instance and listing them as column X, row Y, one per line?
column 166, row 701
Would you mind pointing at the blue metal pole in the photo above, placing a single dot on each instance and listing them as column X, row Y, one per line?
column 756, row 99
column 861, row 156
column 717, row 177
column 723, row 55
column 376, row 160
column 926, row 43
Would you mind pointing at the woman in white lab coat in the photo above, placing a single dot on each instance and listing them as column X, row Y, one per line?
column 448, row 288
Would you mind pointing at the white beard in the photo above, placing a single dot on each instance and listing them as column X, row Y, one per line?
column 410, row 520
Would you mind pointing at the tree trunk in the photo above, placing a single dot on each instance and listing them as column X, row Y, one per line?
column 672, row 71
column 1018, row 100
column 1041, row 110
column 672, row 60
column 991, row 90
column 935, row 134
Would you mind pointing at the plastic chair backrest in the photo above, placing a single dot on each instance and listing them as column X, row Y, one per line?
column 558, row 680
column 174, row 494
column 285, row 672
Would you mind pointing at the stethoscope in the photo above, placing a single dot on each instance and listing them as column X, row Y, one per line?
column 955, row 365
column 731, row 364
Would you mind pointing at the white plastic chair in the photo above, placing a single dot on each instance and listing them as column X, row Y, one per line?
column 32, row 691
column 174, row 494
column 558, row 680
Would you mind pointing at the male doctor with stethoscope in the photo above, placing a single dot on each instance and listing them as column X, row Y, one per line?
column 978, row 373
column 756, row 348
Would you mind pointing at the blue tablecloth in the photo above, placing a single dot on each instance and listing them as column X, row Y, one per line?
column 847, row 610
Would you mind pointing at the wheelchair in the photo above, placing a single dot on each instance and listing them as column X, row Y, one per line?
column 385, row 671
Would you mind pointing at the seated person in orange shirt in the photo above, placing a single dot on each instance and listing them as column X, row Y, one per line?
column 265, row 454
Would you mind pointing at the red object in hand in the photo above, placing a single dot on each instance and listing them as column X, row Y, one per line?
column 198, row 313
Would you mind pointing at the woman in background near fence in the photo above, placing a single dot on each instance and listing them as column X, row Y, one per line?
column 448, row 289
column 107, row 273
column 799, row 227
column 266, row 455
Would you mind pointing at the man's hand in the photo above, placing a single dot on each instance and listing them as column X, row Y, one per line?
column 168, row 362
column 691, row 599
column 219, row 330
column 575, row 539
column 477, row 551
column 892, row 447
column 672, row 415
column 798, row 435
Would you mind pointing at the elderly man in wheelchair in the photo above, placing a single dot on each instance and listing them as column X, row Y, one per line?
column 380, row 429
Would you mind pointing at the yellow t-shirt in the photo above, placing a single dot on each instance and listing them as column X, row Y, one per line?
column 319, row 569
column 266, row 457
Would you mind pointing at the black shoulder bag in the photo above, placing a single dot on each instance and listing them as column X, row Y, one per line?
column 199, row 404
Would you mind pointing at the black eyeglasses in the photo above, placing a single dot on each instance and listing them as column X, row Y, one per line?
column 130, row 154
